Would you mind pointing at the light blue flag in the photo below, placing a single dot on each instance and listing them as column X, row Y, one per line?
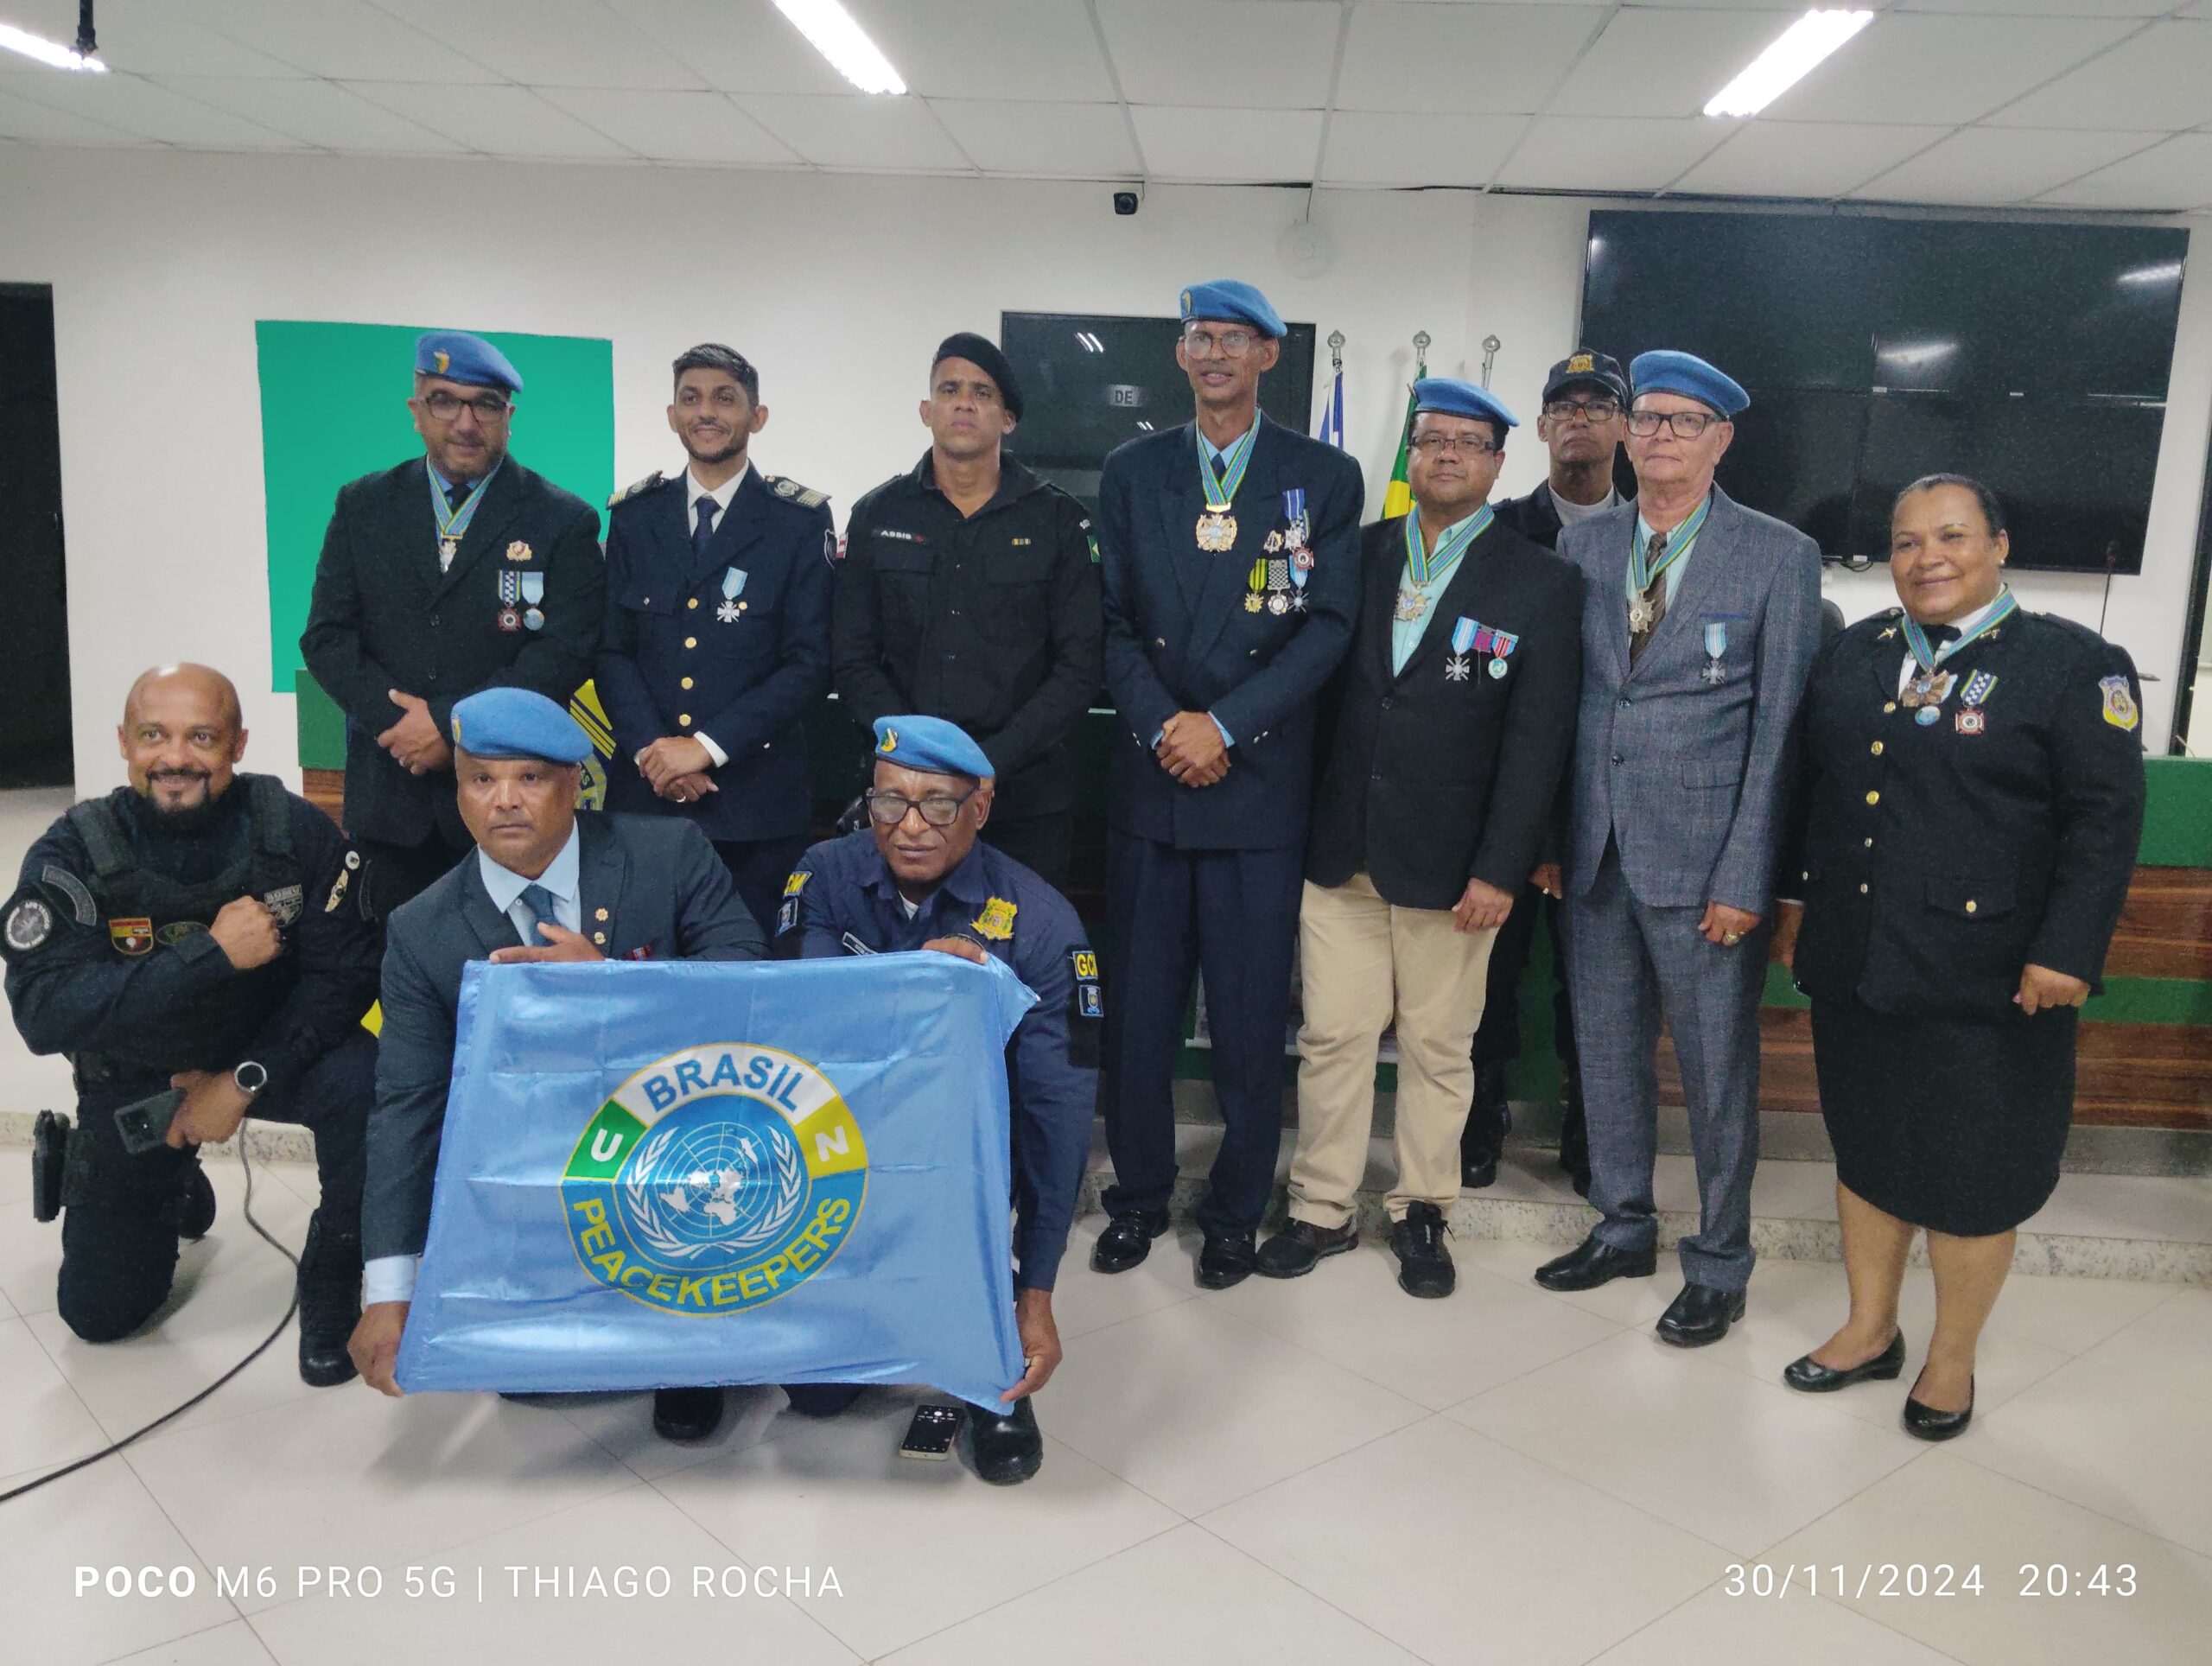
column 1333, row 413
column 674, row 1173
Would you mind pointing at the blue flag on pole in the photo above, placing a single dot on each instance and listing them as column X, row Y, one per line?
column 1333, row 413
column 687, row 1173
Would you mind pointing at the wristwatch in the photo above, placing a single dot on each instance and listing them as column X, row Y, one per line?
column 250, row 1077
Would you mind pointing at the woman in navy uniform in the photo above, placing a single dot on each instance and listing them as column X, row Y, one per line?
column 1971, row 808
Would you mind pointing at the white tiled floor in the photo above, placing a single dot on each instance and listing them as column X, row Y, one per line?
column 1319, row 1471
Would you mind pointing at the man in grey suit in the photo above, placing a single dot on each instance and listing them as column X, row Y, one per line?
column 1700, row 619
column 548, row 883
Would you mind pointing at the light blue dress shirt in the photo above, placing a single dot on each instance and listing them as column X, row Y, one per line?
column 1673, row 575
column 1406, row 634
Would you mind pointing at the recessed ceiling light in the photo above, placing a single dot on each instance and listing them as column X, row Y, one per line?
column 844, row 43
column 1785, row 63
column 48, row 52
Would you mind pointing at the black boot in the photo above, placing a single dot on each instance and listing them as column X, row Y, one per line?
column 195, row 1201
column 1488, row 1119
column 1009, row 1446
column 330, row 1303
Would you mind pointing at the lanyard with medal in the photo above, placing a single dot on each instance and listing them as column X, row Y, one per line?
column 1641, row 572
column 1217, row 527
column 453, row 523
column 1925, row 694
column 1424, row 568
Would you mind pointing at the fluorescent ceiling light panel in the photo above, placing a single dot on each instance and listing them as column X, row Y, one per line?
column 1787, row 61
column 833, row 34
column 48, row 52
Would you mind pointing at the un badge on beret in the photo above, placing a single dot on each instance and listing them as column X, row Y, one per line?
column 30, row 922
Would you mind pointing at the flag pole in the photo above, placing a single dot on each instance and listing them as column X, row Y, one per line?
column 1491, row 345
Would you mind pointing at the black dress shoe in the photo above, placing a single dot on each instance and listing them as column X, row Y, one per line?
column 1700, row 1315
column 1425, row 1267
column 1808, row 1376
column 1926, row 1423
column 1008, row 1449
column 1295, row 1249
column 1127, row 1240
column 329, row 1287
column 1475, row 1174
column 196, row 1202
column 822, row 1399
column 1596, row 1263
column 686, row 1413
column 1226, row 1259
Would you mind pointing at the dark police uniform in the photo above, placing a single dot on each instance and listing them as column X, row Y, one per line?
column 842, row 900
column 1211, row 875
column 384, row 617
column 110, row 962
column 1936, row 860
column 731, row 642
column 991, row 622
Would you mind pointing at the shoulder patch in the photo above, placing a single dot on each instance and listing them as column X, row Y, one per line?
column 797, row 882
column 80, row 899
column 2120, row 703
column 997, row 921
column 30, row 922
column 635, row 487
column 791, row 492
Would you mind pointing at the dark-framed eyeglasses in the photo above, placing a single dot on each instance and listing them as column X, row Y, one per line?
column 1686, row 424
column 1436, row 445
column 445, row 405
column 1583, row 411
column 938, row 809
column 1201, row 342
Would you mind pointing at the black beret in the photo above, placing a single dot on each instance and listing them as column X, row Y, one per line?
column 984, row 353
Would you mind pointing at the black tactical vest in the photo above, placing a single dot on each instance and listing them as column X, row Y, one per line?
column 147, row 913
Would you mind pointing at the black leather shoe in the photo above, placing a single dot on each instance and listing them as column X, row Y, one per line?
column 1295, row 1249
column 196, row 1202
column 1008, row 1449
column 330, row 1304
column 822, row 1399
column 686, row 1413
column 1425, row 1267
column 1226, row 1259
column 1489, row 1118
column 1127, row 1240
column 1926, row 1423
column 1808, row 1376
column 1596, row 1263
column 1700, row 1315
column 1476, row 1174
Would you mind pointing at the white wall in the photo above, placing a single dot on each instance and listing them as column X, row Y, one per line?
column 837, row 286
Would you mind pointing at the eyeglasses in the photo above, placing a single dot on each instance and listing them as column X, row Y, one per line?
column 489, row 407
column 1234, row 344
column 1686, row 424
column 939, row 809
column 1436, row 445
column 1576, row 411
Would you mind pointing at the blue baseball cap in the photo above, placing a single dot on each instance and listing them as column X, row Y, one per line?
column 507, row 722
column 1668, row 371
column 931, row 745
column 1449, row 397
column 460, row 357
column 1227, row 297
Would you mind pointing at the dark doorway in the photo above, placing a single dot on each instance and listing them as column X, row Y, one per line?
column 35, row 746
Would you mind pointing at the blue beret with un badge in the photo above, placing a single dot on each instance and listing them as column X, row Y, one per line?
column 460, row 357
column 505, row 722
column 1668, row 371
column 931, row 745
column 1448, row 396
column 1226, row 297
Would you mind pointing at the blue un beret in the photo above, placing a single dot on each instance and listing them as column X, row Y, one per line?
column 1666, row 371
column 508, row 722
column 1448, row 396
column 1226, row 297
column 460, row 357
column 931, row 745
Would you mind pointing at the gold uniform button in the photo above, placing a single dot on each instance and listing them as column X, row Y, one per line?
column 1890, row 706
column 599, row 914
column 598, row 937
column 1862, row 890
column 1972, row 905
column 691, row 641
column 685, row 718
column 687, row 682
column 693, row 602
column 1875, row 748
column 1873, row 797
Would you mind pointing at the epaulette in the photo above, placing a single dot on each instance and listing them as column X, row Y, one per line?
column 791, row 492
column 632, row 490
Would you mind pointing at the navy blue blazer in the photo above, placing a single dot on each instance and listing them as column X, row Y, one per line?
column 679, row 657
column 1180, row 637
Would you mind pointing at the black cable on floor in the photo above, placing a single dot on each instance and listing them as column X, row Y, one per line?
column 293, row 1307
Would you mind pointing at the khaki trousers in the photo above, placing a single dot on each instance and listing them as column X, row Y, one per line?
column 1365, row 962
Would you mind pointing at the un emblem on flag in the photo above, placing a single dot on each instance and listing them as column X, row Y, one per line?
column 715, row 1179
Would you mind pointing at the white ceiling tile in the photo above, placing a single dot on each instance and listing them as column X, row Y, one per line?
column 1803, row 159
column 1372, row 147
column 1498, row 60
column 2042, row 8
column 320, row 113
column 1664, row 62
column 140, row 107
column 856, row 131
column 1229, row 54
column 147, row 37
column 340, row 39
column 739, row 46
column 40, row 124
column 1987, row 166
column 547, row 42
column 500, row 120
column 1255, row 146
column 1085, row 141
column 2177, row 173
column 1030, row 50
column 1902, row 69
column 2160, row 80
column 1610, row 153
column 700, row 127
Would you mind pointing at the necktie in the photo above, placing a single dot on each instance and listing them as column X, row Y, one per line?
column 1942, row 635
column 1655, row 601
column 537, row 903
column 704, row 530
column 1220, row 469
column 457, row 494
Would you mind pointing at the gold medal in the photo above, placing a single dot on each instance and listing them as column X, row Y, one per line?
column 449, row 548
column 1217, row 531
column 1639, row 617
column 1254, row 602
column 1413, row 601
